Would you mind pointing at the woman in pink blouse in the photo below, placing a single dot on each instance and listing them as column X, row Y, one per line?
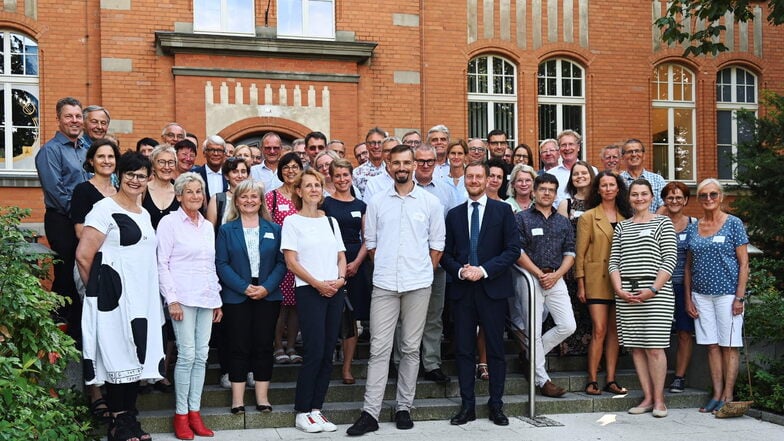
column 188, row 281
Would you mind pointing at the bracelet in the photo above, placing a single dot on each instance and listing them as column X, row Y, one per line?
column 654, row 290
column 342, row 277
column 740, row 299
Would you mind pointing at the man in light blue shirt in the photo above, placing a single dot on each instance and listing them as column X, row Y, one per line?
column 633, row 153
column 267, row 171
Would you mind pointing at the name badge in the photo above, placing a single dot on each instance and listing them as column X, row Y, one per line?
column 718, row 239
column 647, row 232
column 269, row 235
column 577, row 213
column 682, row 237
column 283, row 207
column 356, row 214
column 537, row 232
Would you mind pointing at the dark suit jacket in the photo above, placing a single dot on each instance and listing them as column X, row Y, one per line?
column 202, row 171
column 233, row 264
column 499, row 248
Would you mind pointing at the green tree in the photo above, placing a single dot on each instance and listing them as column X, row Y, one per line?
column 701, row 42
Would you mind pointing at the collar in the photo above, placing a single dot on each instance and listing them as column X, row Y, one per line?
column 482, row 200
column 184, row 217
column 209, row 171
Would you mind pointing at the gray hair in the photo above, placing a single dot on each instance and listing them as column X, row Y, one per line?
column 184, row 179
column 438, row 128
column 213, row 139
column 519, row 168
column 162, row 148
column 609, row 147
column 172, row 124
column 270, row 135
column 568, row 132
column 548, row 141
column 323, row 153
column 425, row 148
column 95, row 108
column 391, row 139
column 708, row 181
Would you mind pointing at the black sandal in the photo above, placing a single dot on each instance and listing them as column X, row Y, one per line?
column 615, row 388
column 99, row 409
column 264, row 408
column 123, row 428
column 592, row 388
column 238, row 410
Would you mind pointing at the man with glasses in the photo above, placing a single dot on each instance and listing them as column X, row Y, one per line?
column 633, row 152
column 215, row 151
column 361, row 153
column 569, row 143
column 375, row 164
column 477, row 150
column 96, row 123
column 186, row 156
column 548, row 251
column 412, row 139
column 256, row 157
column 172, row 133
column 380, row 183
column 59, row 165
column 548, row 155
column 338, row 147
column 267, row 171
column 497, row 142
column 611, row 158
column 315, row 143
column 438, row 137
column 298, row 147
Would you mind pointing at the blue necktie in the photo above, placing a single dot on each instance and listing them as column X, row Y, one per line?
column 473, row 257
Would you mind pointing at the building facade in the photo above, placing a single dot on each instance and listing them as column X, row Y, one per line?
column 240, row 68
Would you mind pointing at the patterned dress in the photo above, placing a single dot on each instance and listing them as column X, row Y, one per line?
column 281, row 207
column 577, row 343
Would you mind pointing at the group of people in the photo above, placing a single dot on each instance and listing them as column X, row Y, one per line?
column 277, row 241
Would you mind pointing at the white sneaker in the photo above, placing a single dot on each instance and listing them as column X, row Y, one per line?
column 224, row 381
column 251, row 383
column 326, row 425
column 306, row 423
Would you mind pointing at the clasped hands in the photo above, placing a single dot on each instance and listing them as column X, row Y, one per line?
column 638, row 296
column 256, row 292
column 328, row 288
column 471, row 273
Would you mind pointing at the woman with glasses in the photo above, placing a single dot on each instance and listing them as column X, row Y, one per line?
column 717, row 270
column 322, row 161
column 643, row 256
column 122, row 315
column 159, row 200
column 522, row 155
column 520, row 191
column 675, row 196
column 280, row 205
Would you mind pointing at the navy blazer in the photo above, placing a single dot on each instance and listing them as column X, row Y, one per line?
column 233, row 264
column 202, row 171
column 499, row 248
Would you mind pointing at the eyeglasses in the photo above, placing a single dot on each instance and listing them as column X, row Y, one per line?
column 634, row 152
column 521, row 156
column 412, row 143
column 271, row 148
column 174, row 136
column 300, row 154
column 497, row 142
column 162, row 163
column 313, row 148
column 546, row 190
column 292, row 167
column 476, row 149
column 548, row 151
column 374, row 143
column 214, row 151
column 676, row 199
column 438, row 139
column 99, row 123
column 427, row 162
column 131, row 176
column 706, row 196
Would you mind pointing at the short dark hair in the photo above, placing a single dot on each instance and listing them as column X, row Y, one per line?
column 231, row 163
column 317, row 135
column 632, row 141
column 191, row 135
column 498, row 163
column 146, row 141
column 94, row 148
column 496, row 132
column 641, row 181
column 67, row 101
column 285, row 160
column 401, row 148
column 376, row 130
column 132, row 161
column 482, row 164
column 185, row 144
column 545, row 178
column 675, row 185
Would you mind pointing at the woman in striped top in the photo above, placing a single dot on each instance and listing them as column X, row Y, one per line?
column 642, row 260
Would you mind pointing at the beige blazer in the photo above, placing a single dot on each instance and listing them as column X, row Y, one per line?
column 594, row 241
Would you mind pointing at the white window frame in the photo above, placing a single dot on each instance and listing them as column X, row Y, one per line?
column 559, row 100
column 225, row 25
column 28, row 83
column 733, row 105
column 493, row 97
column 671, row 104
column 306, row 22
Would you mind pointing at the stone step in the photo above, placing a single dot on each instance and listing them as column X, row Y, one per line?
column 435, row 408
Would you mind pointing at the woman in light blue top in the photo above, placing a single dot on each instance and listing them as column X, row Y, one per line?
column 717, row 270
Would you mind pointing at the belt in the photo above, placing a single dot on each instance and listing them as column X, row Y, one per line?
column 548, row 270
column 637, row 281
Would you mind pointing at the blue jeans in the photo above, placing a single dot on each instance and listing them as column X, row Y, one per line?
column 193, row 337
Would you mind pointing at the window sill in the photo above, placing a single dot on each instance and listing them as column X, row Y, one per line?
column 19, row 179
column 181, row 42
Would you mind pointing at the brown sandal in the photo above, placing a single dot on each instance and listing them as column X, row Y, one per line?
column 481, row 371
column 592, row 388
column 615, row 388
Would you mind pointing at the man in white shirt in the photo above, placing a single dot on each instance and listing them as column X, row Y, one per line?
column 404, row 234
column 438, row 137
column 385, row 180
column 215, row 151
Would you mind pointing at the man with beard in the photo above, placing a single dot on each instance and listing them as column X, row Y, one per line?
column 402, row 277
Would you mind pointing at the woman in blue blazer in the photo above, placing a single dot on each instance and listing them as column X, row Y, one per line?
column 250, row 267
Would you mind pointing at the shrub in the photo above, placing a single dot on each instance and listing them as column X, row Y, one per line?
column 33, row 351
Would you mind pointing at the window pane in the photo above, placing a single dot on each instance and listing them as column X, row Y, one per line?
column 659, row 126
column 684, row 161
column 548, row 124
column 320, row 20
column 206, row 15
column 290, row 17
column 683, row 126
column 24, row 107
column 724, row 127
column 477, row 119
column 660, row 161
column 745, row 131
column 505, row 117
column 2, row 54
column 573, row 118
column 239, row 16
column 724, row 158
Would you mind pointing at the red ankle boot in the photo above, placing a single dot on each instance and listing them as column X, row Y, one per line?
column 182, row 429
column 194, row 418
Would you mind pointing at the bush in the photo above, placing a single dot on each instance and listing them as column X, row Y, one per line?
column 33, row 351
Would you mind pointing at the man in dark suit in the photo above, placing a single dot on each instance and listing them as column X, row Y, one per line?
column 215, row 182
column 482, row 282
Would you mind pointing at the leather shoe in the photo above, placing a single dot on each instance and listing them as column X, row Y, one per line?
column 498, row 418
column 364, row 424
column 437, row 376
column 465, row 415
column 403, row 420
column 549, row 389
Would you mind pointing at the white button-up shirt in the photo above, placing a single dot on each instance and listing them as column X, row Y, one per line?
column 265, row 175
column 403, row 230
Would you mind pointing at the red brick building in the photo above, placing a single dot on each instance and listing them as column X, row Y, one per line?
column 239, row 68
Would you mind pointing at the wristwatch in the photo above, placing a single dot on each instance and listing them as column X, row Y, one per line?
column 654, row 290
column 740, row 299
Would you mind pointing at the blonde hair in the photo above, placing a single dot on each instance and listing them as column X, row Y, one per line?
column 248, row 185
column 295, row 198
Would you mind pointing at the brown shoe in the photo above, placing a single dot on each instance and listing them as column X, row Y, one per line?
column 551, row 390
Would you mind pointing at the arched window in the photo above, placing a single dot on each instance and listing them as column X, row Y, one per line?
column 736, row 89
column 561, row 98
column 674, row 122
column 492, row 97
column 18, row 101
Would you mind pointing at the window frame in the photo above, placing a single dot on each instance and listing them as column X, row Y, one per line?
column 8, row 83
column 733, row 106
column 306, row 21
column 671, row 105
column 559, row 100
column 225, row 14
column 493, row 97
